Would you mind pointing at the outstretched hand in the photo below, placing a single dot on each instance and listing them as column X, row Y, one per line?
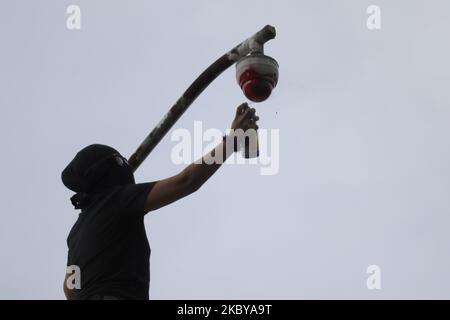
column 245, row 118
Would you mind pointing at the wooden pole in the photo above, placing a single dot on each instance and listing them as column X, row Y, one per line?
column 254, row 43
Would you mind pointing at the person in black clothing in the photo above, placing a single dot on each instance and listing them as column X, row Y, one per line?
column 108, row 241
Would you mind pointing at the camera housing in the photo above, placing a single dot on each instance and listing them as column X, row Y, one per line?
column 257, row 75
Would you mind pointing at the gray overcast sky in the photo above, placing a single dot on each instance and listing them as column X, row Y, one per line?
column 364, row 150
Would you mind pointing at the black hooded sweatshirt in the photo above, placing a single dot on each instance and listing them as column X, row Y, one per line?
column 108, row 241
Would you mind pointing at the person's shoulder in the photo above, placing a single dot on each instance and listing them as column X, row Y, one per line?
column 133, row 189
column 132, row 197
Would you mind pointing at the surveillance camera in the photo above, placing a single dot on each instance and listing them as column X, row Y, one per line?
column 257, row 74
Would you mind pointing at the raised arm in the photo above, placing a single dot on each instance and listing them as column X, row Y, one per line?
column 196, row 174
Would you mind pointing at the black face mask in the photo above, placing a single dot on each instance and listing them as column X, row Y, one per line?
column 95, row 169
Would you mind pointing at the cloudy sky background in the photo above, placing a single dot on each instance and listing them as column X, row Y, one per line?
column 364, row 150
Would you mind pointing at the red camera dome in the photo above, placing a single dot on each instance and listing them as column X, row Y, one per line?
column 257, row 75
